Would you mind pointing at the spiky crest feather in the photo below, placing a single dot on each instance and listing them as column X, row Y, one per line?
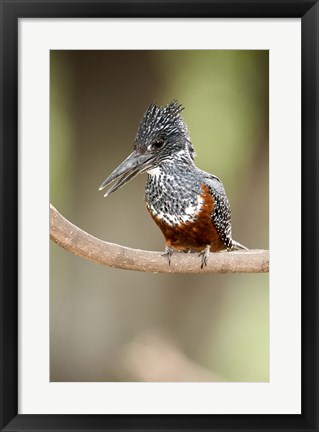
column 163, row 122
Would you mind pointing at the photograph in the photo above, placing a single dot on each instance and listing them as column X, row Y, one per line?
column 167, row 151
column 158, row 222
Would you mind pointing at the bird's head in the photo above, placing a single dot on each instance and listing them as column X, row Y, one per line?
column 162, row 136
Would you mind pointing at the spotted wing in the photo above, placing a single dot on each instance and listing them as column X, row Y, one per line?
column 221, row 216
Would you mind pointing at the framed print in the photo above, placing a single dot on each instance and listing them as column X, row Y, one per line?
column 221, row 337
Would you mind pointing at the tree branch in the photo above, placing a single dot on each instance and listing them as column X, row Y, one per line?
column 82, row 244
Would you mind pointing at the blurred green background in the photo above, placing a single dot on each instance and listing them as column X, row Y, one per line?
column 116, row 325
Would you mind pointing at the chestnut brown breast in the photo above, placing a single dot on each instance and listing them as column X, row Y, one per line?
column 195, row 234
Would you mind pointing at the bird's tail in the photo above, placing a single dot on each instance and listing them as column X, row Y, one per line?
column 238, row 246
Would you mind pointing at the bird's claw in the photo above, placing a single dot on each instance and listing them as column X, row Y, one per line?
column 204, row 254
column 168, row 252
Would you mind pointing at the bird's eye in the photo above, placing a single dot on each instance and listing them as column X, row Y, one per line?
column 158, row 143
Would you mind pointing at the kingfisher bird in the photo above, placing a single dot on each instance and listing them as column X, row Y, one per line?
column 189, row 205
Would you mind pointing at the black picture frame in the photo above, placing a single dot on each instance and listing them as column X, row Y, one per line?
column 11, row 11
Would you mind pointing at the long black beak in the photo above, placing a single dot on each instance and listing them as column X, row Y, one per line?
column 127, row 170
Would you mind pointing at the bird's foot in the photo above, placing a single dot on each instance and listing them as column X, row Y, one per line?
column 204, row 254
column 168, row 252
